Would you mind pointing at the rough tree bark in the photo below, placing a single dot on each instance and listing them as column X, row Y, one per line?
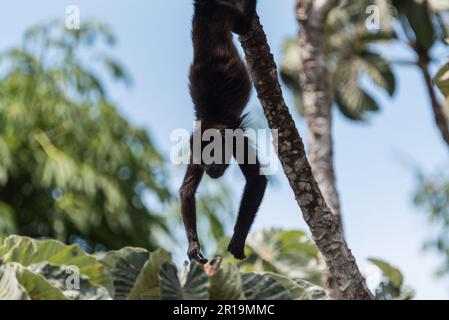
column 317, row 97
column 325, row 227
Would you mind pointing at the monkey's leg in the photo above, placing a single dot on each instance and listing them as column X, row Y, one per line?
column 250, row 203
column 187, row 192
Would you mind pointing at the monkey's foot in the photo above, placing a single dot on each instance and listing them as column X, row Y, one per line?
column 237, row 250
column 195, row 254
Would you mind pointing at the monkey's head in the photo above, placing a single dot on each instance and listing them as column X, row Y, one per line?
column 215, row 150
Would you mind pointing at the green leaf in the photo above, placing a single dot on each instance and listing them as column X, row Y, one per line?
column 170, row 286
column 419, row 18
column 36, row 285
column 391, row 273
column 442, row 80
column 27, row 251
column 69, row 282
column 124, row 267
column 146, row 286
column 225, row 284
column 10, row 287
column 194, row 287
column 300, row 289
column 379, row 70
column 117, row 71
column 312, row 291
column 297, row 292
column 258, row 286
column 352, row 100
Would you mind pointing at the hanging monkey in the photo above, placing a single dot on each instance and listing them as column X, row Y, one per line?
column 220, row 87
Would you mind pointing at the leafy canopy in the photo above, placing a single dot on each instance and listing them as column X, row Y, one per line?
column 71, row 167
column 350, row 58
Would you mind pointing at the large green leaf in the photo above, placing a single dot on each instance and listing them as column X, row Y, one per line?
column 195, row 286
column 146, row 286
column 226, row 284
column 257, row 286
column 124, row 267
column 18, row 282
column 170, row 286
column 312, row 291
column 379, row 71
column 36, row 285
column 10, row 287
column 300, row 289
column 72, row 285
column 27, row 251
column 419, row 18
column 352, row 100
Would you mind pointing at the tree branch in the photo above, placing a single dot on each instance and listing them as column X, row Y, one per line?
column 440, row 118
column 325, row 227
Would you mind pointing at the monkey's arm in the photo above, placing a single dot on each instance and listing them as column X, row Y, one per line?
column 187, row 192
column 252, row 197
column 243, row 16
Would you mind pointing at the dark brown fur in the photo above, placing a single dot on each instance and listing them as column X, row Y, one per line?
column 220, row 87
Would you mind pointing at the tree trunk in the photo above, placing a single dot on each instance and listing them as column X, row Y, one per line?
column 325, row 227
column 317, row 104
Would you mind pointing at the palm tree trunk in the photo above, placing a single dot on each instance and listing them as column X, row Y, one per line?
column 317, row 102
column 325, row 227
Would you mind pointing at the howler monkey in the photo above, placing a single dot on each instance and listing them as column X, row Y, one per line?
column 220, row 87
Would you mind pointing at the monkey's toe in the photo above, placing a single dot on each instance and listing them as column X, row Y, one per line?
column 197, row 256
column 237, row 251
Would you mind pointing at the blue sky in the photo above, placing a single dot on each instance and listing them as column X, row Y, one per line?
column 374, row 161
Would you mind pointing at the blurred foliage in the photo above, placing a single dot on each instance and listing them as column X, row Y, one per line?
column 350, row 59
column 442, row 81
column 290, row 253
column 71, row 167
column 351, row 55
column 422, row 26
column 392, row 283
column 423, row 23
column 48, row 269
column 293, row 255
column 432, row 195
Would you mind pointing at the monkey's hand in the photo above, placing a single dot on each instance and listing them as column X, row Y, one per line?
column 194, row 253
column 237, row 249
